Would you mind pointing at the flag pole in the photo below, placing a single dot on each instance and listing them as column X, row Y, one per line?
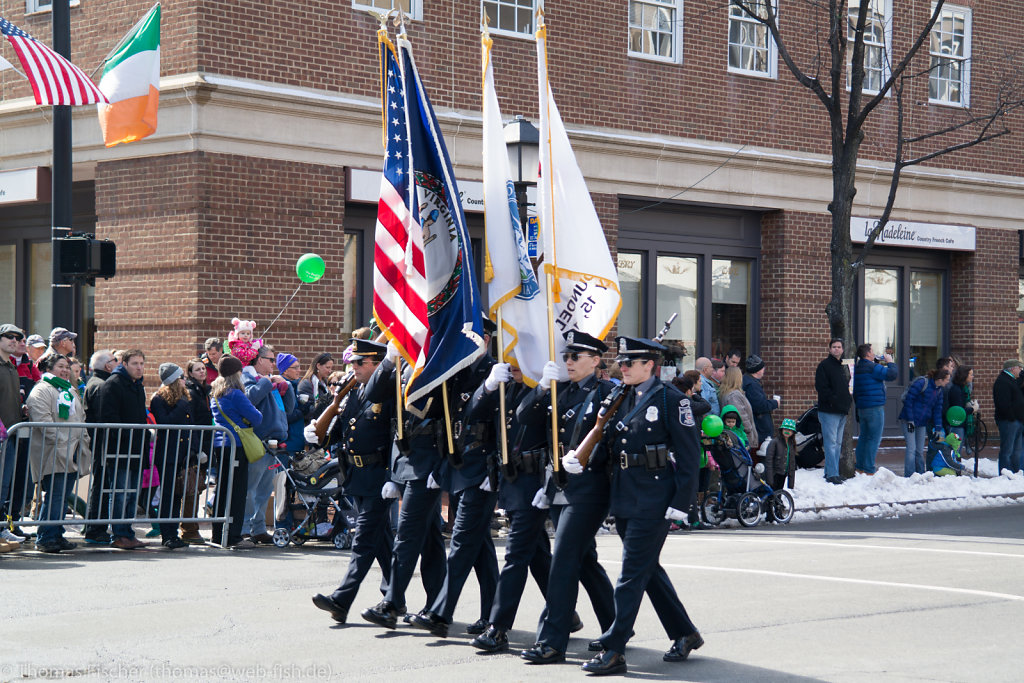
column 542, row 32
column 447, row 418
column 399, row 418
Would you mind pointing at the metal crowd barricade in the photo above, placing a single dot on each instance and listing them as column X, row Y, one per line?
column 43, row 460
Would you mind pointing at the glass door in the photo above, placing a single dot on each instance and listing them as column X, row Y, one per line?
column 730, row 307
column 677, row 293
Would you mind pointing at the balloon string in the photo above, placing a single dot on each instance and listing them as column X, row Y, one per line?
column 282, row 311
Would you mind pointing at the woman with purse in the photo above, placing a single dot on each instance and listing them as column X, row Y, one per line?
column 172, row 405
column 234, row 411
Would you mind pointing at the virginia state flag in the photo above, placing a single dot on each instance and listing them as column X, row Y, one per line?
column 512, row 284
column 455, row 339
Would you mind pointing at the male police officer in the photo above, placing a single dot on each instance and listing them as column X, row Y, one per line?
column 362, row 433
column 575, row 555
column 653, row 444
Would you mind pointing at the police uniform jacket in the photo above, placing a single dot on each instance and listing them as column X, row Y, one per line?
column 363, row 436
column 474, row 438
column 664, row 418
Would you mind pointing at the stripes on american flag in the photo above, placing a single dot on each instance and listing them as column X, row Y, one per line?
column 399, row 275
column 54, row 79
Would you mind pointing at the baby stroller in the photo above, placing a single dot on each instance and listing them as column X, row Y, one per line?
column 316, row 509
column 742, row 495
column 810, row 451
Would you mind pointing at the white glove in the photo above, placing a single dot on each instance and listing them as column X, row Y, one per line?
column 500, row 374
column 540, row 501
column 675, row 515
column 392, row 352
column 553, row 371
column 390, row 490
column 309, row 433
column 431, row 482
column 486, row 486
column 571, row 464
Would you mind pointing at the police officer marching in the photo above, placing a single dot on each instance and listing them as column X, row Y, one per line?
column 362, row 437
column 654, row 448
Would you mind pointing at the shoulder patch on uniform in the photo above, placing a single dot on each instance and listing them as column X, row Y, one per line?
column 686, row 414
column 652, row 414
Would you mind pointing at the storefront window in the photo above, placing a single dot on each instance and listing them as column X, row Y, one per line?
column 631, row 271
column 926, row 322
column 350, row 283
column 40, row 310
column 8, row 282
column 730, row 306
column 677, row 293
column 881, row 308
column 87, row 333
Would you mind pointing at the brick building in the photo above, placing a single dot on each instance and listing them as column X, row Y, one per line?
column 709, row 166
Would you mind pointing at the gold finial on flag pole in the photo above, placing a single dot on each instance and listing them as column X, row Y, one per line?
column 381, row 17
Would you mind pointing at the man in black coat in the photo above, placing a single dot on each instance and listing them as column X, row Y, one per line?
column 832, row 382
column 1009, row 414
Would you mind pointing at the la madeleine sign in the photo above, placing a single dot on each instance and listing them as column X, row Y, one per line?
column 908, row 234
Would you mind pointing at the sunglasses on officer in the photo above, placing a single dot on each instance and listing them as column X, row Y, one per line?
column 628, row 363
column 358, row 362
column 575, row 356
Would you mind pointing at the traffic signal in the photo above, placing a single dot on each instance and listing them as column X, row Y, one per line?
column 86, row 258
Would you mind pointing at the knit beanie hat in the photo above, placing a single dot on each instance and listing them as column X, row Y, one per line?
column 169, row 373
column 754, row 364
column 285, row 361
column 229, row 365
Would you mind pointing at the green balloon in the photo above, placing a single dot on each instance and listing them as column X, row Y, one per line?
column 310, row 268
column 712, row 425
column 956, row 416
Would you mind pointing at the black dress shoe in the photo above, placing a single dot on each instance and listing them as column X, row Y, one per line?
column 492, row 640
column 607, row 663
column 542, row 654
column 407, row 618
column 682, row 647
column 65, row 544
column 577, row 623
column 327, row 604
column 174, row 543
column 595, row 646
column 383, row 614
column 477, row 627
column 428, row 621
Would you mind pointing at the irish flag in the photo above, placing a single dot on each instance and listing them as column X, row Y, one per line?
column 131, row 81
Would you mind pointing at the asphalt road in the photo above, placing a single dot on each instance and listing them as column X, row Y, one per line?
column 926, row 597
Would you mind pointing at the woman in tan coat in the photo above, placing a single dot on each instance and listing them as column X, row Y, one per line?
column 57, row 456
column 730, row 391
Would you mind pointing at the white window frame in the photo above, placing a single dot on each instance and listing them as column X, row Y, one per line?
column 886, row 48
column 415, row 8
column 772, row 59
column 965, row 61
column 677, row 32
column 41, row 6
column 506, row 32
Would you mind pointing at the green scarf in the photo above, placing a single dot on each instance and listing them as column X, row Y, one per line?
column 65, row 396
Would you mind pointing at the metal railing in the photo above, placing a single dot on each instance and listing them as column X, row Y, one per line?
column 116, row 474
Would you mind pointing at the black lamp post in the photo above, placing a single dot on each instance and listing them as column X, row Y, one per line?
column 523, row 142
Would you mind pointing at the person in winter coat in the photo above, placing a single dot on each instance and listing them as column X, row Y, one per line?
column 57, row 457
column 832, row 384
column 195, row 381
column 1009, row 415
column 760, row 404
column 313, row 390
column 869, row 378
column 231, row 408
column 959, row 395
column 733, row 423
column 922, row 416
column 944, row 458
column 730, row 393
column 780, row 457
column 175, row 449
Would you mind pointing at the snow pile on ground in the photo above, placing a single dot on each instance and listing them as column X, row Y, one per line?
column 887, row 494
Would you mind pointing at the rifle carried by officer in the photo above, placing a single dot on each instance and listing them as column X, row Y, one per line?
column 609, row 406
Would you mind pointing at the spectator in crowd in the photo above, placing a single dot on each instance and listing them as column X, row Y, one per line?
column 733, row 423
column 102, row 364
column 122, row 399
column 175, row 449
column 199, row 390
column 291, row 371
column 921, row 417
column 711, row 371
column 1009, row 414
column 760, row 404
column 960, row 390
column 832, row 383
column 62, row 342
column 77, row 377
column 211, row 357
column 689, row 384
column 780, row 457
column 36, row 347
column 730, row 392
column 313, row 390
column 274, row 398
column 58, row 456
column 231, row 408
column 10, row 415
column 28, row 373
column 869, row 377
column 613, row 372
column 734, row 358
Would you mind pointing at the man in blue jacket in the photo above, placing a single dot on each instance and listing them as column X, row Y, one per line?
column 869, row 378
column 761, row 405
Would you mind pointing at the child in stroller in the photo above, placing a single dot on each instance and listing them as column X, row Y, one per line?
column 316, row 508
column 743, row 494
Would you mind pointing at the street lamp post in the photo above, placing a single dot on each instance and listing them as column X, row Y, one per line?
column 522, row 139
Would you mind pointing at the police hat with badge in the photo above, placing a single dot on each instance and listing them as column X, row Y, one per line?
column 581, row 342
column 369, row 349
column 489, row 326
column 638, row 348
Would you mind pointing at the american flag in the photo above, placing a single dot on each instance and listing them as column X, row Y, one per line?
column 54, row 79
column 399, row 275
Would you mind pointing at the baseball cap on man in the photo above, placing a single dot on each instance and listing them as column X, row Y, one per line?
column 59, row 334
column 1012, row 363
column 36, row 341
column 8, row 328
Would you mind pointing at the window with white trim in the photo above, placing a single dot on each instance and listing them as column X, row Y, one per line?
column 655, row 29
column 751, row 46
column 877, row 42
column 412, row 8
column 32, row 6
column 949, row 49
column 511, row 17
